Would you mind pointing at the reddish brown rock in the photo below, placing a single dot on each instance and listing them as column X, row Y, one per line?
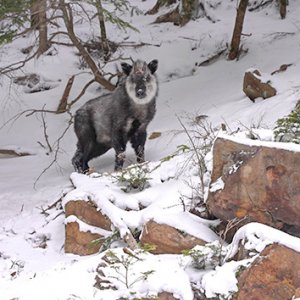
column 81, row 243
column 166, row 296
column 254, row 88
column 275, row 275
column 162, row 296
column 87, row 212
column 297, row 293
column 260, row 183
column 167, row 239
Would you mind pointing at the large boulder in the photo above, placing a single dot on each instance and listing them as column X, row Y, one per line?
column 258, row 183
column 254, row 86
column 167, row 239
column 274, row 275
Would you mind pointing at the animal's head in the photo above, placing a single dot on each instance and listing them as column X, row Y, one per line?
column 141, row 84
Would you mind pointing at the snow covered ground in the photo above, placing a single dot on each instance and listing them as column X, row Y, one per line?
column 29, row 271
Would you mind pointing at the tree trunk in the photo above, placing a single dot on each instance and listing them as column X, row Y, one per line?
column 68, row 19
column 179, row 15
column 238, row 28
column 102, row 30
column 172, row 16
column 282, row 8
column 34, row 14
column 160, row 3
column 42, row 25
column 187, row 11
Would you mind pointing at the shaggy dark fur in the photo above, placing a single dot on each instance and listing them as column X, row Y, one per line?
column 112, row 120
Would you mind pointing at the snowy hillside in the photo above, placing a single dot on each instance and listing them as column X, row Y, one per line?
column 32, row 186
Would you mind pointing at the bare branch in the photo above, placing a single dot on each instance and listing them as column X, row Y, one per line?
column 27, row 113
column 68, row 19
column 81, row 93
column 57, row 148
column 45, row 132
column 62, row 107
column 17, row 65
column 200, row 161
column 135, row 45
column 131, row 242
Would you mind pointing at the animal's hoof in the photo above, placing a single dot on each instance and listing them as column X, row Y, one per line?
column 118, row 169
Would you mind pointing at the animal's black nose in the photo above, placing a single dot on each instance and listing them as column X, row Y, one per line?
column 140, row 93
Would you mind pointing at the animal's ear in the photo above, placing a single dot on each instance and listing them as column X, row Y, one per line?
column 153, row 65
column 126, row 68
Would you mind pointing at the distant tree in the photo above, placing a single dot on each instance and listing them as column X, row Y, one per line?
column 103, row 35
column 41, row 6
column 38, row 14
column 67, row 15
column 159, row 4
column 282, row 8
column 13, row 16
column 104, row 16
column 237, row 31
column 185, row 11
column 34, row 14
column 239, row 23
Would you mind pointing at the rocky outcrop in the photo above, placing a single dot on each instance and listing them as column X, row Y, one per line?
column 259, row 183
column 166, row 296
column 162, row 237
column 161, row 296
column 254, row 86
column 274, row 275
column 81, row 242
column 297, row 293
column 84, row 242
column 167, row 239
column 88, row 213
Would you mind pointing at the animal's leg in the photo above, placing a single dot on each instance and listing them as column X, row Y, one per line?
column 82, row 157
column 138, row 141
column 77, row 160
column 86, row 141
column 119, row 144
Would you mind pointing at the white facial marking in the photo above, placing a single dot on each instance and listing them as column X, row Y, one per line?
column 151, row 90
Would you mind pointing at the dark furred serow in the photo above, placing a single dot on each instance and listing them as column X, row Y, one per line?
column 112, row 120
